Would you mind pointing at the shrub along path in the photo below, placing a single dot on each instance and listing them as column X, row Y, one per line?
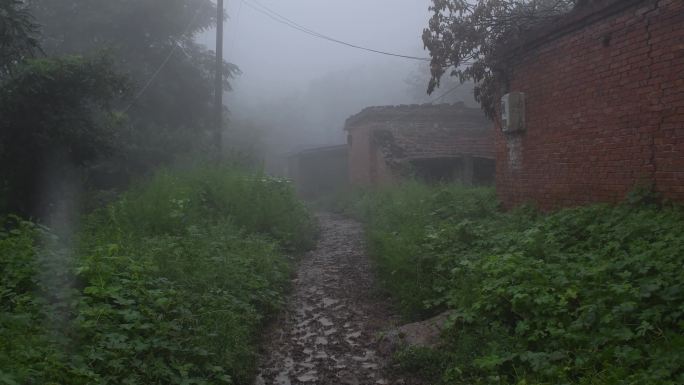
column 328, row 334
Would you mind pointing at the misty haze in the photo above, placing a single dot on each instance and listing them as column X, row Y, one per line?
column 401, row 192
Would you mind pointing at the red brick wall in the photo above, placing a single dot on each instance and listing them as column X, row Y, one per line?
column 605, row 111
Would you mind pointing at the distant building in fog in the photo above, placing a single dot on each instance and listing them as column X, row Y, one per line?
column 430, row 142
column 319, row 171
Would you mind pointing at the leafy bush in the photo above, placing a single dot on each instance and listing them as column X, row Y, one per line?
column 56, row 115
column 29, row 353
column 590, row 295
column 169, row 285
column 254, row 202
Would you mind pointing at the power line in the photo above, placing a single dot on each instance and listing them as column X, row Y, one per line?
column 447, row 93
column 163, row 64
column 285, row 21
column 289, row 21
column 235, row 29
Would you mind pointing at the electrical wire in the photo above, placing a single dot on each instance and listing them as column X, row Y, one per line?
column 254, row 4
column 235, row 29
column 447, row 93
column 163, row 64
column 285, row 21
column 257, row 6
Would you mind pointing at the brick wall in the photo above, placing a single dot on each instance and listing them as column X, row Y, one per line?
column 605, row 107
column 381, row 139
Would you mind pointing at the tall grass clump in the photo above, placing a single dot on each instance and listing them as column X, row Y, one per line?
column 171, row 283
column 398, row 221
column 589, row 295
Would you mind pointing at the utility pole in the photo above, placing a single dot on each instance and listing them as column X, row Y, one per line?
column 218, row 134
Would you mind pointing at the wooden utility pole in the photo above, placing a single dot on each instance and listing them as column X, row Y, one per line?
column 218, row 134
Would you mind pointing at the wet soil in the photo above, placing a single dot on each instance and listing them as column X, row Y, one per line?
column 329, row 332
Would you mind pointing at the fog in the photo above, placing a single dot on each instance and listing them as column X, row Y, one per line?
column 173, row 216
column 297, row 90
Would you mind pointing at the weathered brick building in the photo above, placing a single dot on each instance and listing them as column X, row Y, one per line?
column 431, row 142
column 604, row 101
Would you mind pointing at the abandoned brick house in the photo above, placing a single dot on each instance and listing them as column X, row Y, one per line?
column 600, row 96
column 318, row 171
column 431, row 142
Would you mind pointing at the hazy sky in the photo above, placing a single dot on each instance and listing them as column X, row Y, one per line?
column 277, row 59
column 300, row 89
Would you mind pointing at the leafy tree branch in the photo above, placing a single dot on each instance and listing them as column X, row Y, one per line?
column 465, row 38
column 18, row 34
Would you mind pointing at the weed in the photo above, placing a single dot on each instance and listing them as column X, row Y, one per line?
column 589, row 295
column 170, row 284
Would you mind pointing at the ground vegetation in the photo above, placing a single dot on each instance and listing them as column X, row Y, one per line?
column 171, row 283
column 588, row 295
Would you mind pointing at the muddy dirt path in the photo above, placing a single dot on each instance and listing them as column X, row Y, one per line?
column 328, row 334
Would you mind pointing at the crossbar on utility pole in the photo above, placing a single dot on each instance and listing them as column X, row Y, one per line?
column 218, row 134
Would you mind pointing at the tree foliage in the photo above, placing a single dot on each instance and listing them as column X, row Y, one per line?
column 63, row 104
column 17, row 34
column 153, row 43
column 466, row 38
column 55, row 112
column 454, row 90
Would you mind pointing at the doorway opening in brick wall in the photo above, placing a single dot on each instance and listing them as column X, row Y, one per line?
column 466, row 170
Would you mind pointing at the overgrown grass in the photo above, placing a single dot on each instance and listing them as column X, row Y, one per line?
column 168, row 285
column 398, row 224
column 591, row 295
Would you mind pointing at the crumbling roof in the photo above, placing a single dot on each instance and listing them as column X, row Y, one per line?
column 442, row 115
column 426, row 131
column 318, row 150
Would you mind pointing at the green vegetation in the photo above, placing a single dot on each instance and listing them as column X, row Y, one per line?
column 94, row 96
column 170, row 284
column 74, row 125
column 591, row 295
column 17, row 34
column 174, row 114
